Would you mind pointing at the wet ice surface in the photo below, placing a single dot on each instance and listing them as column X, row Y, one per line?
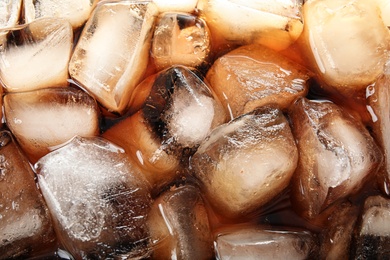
column 25, row 225
column 257, row 243
column 373, row 238
column 43, row 119
column 110, row 69
column 179, row 226
column 177, row 112
column 254, row 76
column 98, row 199
column 247, row 162
column 41, row 50
column 76, row 11
column 180, row 38
column 337, row 154
column 9, row 13
column 187, row 6
column 275, row 24
column 358, row 28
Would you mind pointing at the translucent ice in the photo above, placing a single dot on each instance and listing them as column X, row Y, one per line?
column 253, row 76
column 76, row 11
column 110, row 69
column 9, row 17
column 247, row 162
column 98, row 199
column 25, row 225
column 43, row 119
column 36, row 55
column 180, row 39
column 179, row 226
column 253, row 243
column 337, row 154
column 346, row 41
column 187, row 6
column 273, row 23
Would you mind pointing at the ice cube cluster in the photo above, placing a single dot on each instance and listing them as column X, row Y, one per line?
column 195, row 129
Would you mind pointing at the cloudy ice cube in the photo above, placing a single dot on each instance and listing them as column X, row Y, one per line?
column 253, row 76
column 187, row 6
column 337, row 154
column 112, row 54
column 378, row 105
column 76, row 11
column 177, row 110
column 36, row 55
column 276, row 24
column 373, row 236
column 180, row 38
column 253, row 242
column 43, row 119
column 98, row 199
column 25, row 225
column 346, row 41
column 9, row 17
column 247, row 162
column 179, row 226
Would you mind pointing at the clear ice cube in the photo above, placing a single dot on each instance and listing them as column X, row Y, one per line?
column 179, row 226
column 25, row 224
column 247, row 162
column 346, row 41
column 276, row 24
column 253, row 243
column 253, row 76
column 98, row 199
column 46, row 118
column 337, row 154
column 180, row 39
column 76, row 11
column 36, row 55
column 112, row 53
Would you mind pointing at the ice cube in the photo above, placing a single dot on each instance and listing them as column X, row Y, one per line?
column 346, row 41
column 76, row 11
column 9, row 17
column 247, row 162
column 180, row 38
column 187, row 6
column 43, row 119
column 179, row 227
column 378, row 104
column 36, row 55
column 98, row 199
column 253, row 76
column 273, row 23
column 25, row 225
column 176, row 112
column 253, row 242
column 336, row 236
column 110, row 69
column 337, row 154
column 384, row 6
column 373, row 238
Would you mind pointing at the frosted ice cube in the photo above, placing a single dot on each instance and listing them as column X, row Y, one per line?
column 253, row 242
column 373, row 237
column 253, row 76
column 76, row 11
column 346, row 41
column 25, row 224
column 276, row 24
column 337, row 154
column 36, row 55
column 110, row 69
column 180, row 39
column 43, row 119
column 98, row 199
column 179, row 226
column 247, row 162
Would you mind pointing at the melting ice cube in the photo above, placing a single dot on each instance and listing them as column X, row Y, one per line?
column 98, row 199
column 247, row 162
column 43, row 119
